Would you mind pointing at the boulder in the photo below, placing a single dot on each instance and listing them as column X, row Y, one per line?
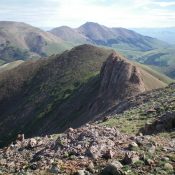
column 131, row 157
column 168, row 166
column 32, row 143
column 113, row 168
column 54, row 169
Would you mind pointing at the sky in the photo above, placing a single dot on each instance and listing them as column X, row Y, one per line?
column 73, row 13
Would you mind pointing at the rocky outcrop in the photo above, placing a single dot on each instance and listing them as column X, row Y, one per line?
column 163, row 123
column 119, row 79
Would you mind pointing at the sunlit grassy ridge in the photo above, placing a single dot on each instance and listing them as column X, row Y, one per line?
column 136, row 117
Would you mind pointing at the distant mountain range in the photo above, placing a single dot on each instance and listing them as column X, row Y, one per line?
column 20, row 41
column 164, row 34
column 23, row 41
column 119, row 38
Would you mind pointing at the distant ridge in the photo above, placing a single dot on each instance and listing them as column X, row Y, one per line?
column 23, row 41
column 95, row 33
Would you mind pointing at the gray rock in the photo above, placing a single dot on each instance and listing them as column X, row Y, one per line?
column 109, row 154
column 133, row 145
column 131, row 157
column 149, row 162
column 91, row 167
column 32, row 143
column 82, row 172
column 168, row 166
column 33, row 166
column 54, row 169
column 165, row 159
column 152, row 149
column 113, row 168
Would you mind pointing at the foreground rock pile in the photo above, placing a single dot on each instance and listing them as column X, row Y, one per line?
column 91, row 149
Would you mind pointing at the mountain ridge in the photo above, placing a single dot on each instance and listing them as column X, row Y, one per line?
column 25, row 37
column 102, row 35
column 129, row 137
column 45, row 92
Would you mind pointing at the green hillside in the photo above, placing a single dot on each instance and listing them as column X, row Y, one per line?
column 23, row 41
column 160, row 60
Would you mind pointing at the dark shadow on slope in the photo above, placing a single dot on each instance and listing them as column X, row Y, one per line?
column 165, row 123
column 73, row 111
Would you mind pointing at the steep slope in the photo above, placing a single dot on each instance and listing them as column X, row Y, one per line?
column 48, row 96
column 28, row 38
column 119, row 79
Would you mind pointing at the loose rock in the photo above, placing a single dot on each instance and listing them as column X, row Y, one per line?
column 113, row 168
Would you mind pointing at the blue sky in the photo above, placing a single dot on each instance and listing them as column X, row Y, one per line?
column 113, row 13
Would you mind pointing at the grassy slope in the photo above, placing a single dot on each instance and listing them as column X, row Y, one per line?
column 161, row 60
column 155, row 73
column 55, row 48
column 25, row 37
column 134, row 118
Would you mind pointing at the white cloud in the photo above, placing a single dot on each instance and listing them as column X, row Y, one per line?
column 165, row 4
column 124, row 13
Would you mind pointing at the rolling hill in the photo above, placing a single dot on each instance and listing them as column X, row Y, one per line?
column 50, row 95
column 162, row 60
column 23, row 41
column 69, row 34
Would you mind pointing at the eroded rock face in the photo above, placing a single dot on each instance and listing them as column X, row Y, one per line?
column 119, row 78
